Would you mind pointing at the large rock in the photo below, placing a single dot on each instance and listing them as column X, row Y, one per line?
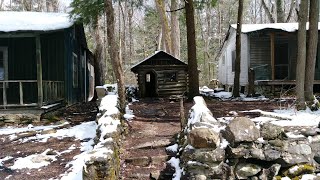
column 245, row 170
column 241, row 129
column 203, row 138
column 316, row 149
column 271, row 131
column 208, row 156
column 200, row 113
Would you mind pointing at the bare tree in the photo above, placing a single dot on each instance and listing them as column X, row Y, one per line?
column 278, row 15
column 236, row 83
column 113, row 49
column 192, row 50
column 165, row 25
column 301, row 56
column 312, row 50
column 175, row 30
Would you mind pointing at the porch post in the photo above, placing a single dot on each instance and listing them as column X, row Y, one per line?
column 272, row 55
column 39, row 70
column 272, row 60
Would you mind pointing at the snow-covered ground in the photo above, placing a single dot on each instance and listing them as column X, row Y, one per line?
column 84, row 132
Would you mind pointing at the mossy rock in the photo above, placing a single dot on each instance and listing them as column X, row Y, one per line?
column 297, row 170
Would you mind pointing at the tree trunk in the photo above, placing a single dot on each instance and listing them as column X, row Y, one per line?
column 165, row 25
column 175, row 30
column 280, row 13
column 113, row 49
column 290, row 11
column 99, row 62
column 130, row 15
column 192, row 51
column 301, row 56
column 312, row 49
column 267, row 12
column 236, row 84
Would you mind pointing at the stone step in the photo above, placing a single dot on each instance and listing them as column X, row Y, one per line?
column 153, row 144
column 146, row 160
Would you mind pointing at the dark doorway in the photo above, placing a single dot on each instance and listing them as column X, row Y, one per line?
column 150, row 81
column 281, row 61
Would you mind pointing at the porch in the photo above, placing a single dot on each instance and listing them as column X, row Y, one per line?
column 30, row 93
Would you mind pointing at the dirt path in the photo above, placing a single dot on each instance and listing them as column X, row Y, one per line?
column 155, row 126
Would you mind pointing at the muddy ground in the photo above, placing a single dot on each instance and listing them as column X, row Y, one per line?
column 157, row 120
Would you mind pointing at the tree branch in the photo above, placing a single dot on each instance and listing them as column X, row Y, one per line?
column 290, row 11
column 179, row 9
column 271, row 19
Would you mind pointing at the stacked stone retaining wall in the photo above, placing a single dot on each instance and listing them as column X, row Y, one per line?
column 242, row 149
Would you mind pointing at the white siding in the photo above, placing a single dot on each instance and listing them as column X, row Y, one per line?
column 225, row 74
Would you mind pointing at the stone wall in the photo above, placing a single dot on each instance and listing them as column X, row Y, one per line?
column 243, row 149
column 103, row 162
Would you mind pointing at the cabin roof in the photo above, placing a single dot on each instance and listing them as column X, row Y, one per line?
column 288, row 27
column 11, row 21
column 158, row 54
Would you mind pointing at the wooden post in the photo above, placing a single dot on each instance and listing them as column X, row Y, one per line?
column 4, row 95
column 21, row 93
column 251, row 82
column 182, row 115
column 272, row 59
column 39, row 70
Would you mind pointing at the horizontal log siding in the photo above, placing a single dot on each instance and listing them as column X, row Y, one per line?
column 166, row 88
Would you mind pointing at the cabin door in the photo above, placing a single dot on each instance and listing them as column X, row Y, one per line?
column 281, row 61
column 150, row 82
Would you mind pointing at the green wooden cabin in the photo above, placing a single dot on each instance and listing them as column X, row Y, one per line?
column 43, row 60
column 161, row 75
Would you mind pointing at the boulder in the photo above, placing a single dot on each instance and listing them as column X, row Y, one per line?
column 316, row 148
column 271, row 131
column 203, row 138
column 241, row 129
column 271, row 154
column 200, row 113
column 245, row 170
column 303, row 149
column 208, row 156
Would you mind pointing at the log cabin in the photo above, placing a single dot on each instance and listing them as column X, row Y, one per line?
column 161, row 75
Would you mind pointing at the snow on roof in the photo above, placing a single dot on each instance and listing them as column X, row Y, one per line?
column 288, row 27
column 11, row 21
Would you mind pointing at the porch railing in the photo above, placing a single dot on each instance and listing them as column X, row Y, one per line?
column 52, row 91
column 25, row 93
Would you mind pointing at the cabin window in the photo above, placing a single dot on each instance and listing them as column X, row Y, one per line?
column 171, row 77
column 3, row 63
column 223, row 60
column 75, row 70
column 233, row 60
column 148, row 77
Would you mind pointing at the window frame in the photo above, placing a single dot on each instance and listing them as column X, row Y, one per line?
column 168, row 76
